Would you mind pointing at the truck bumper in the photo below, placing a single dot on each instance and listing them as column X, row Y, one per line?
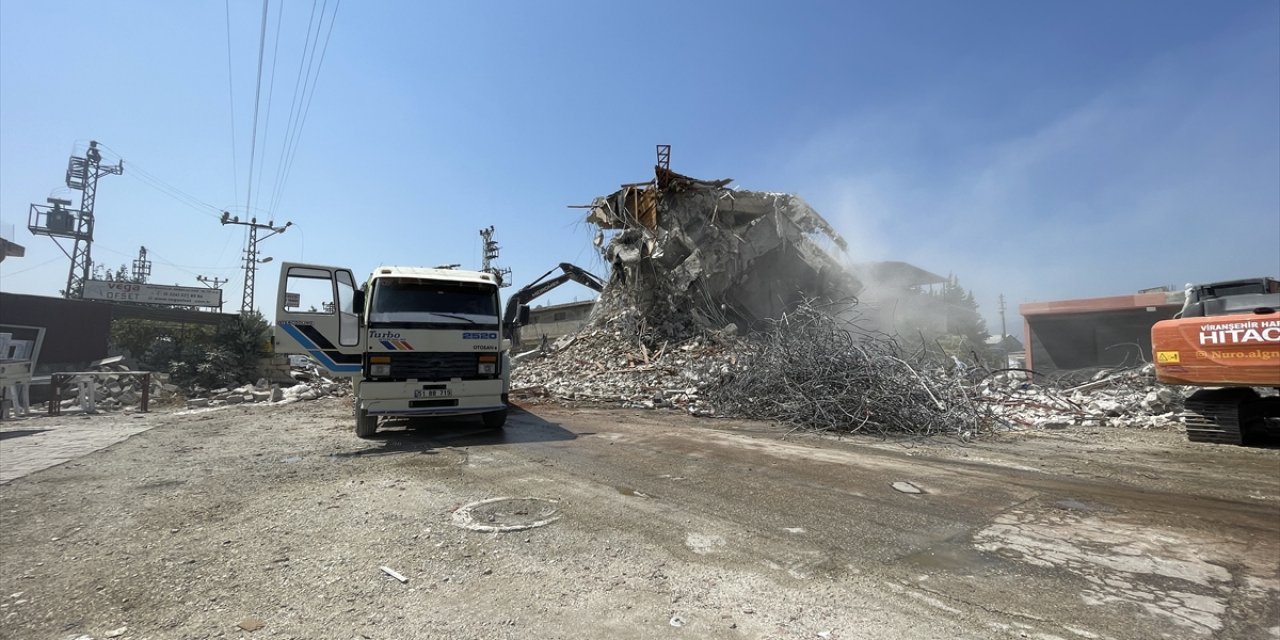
column 465, row 397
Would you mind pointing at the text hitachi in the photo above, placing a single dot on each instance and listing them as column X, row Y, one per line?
column 1240, row 336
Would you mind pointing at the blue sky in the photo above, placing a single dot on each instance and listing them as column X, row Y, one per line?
column 1042, row 150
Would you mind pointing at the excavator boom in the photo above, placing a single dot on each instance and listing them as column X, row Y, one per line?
column 540, row 287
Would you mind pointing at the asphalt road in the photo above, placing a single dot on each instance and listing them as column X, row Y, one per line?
column 589, row 523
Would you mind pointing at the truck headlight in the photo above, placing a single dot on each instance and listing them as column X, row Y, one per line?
column 488, row 364
column 381, row 370
column 488, row 367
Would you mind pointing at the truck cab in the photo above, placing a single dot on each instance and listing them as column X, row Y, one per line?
column 415, row 341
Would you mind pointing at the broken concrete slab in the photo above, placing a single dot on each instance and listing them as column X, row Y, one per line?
column 695, row 254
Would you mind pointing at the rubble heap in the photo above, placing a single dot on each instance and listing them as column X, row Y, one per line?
column 688, row 255
column 116, row 390
column 604, row 364
column 725, row 302
column 819, row 369
column 308, row 384
column 1127, row 397
column 263, row 391
column 866, row 384
column 119, row 392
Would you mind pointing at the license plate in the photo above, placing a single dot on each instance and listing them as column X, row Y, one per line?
column 430, row 393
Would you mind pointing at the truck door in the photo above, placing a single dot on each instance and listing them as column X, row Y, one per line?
column 317, row 315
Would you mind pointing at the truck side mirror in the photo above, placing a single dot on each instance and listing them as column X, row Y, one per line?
column 523, row 317
column 358, row 302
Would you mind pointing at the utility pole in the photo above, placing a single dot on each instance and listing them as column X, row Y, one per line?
column 77, row 224
column 1003, row 331
column 490, row 254
column 141, row 267
column 213, row 283
column 251, row 261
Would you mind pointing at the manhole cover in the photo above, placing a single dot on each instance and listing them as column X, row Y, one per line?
column 506, row 514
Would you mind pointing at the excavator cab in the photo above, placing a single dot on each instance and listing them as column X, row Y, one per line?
column 1234, row 296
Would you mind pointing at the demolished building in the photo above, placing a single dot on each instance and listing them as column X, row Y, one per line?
column 693, row 261
column 694, row 254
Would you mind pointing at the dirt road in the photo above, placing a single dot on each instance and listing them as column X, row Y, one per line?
column 627, row 524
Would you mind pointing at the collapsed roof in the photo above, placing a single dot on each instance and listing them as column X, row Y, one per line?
column 686, row 250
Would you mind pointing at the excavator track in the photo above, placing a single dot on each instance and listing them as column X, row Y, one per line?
column 1214, row 415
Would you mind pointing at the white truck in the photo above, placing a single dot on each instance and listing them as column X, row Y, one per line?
column 415, row 341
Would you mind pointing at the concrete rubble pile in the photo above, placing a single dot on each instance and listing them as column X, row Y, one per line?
column 1118, row 398
column 689, row 255
column 810, row 370
column 308, row 385
column 695, row 264
column 692, row 262
column 117, row 387
column 603, row 364
column 264, row 392
column 820, row 368
column 721, row 302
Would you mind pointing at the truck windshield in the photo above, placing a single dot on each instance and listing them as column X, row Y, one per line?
column 402, row 301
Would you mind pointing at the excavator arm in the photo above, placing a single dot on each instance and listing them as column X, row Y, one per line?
column 541, row 287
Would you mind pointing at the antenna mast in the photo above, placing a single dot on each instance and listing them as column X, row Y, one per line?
column 57, row 220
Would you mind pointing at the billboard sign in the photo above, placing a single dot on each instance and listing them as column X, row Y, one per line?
column 152, row 294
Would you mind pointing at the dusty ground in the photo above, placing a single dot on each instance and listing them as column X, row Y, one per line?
column 653, row 525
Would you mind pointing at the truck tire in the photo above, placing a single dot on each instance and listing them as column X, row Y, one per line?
column 366, row 425
column 494, row 419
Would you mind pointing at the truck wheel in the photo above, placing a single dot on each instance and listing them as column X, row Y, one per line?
column 366, row 425
column 494, row 419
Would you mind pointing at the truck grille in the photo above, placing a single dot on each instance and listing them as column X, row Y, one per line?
column 438, row 365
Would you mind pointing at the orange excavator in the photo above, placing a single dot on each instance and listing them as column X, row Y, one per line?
column 1226, row 339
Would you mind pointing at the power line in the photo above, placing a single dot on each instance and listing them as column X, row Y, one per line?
column 231, row 93
column 33, row 268
column 176, row 194
column 314, row 80
column 257, row 101
column 185, row 268
column 294, row 108
column 155, row 182
column 271, row 89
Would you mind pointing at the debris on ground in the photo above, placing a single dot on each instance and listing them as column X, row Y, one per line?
column 394, row 574
column 818, row 369
column 251, row 624
column 727, row 302
column 1125, row 397
column 817, row 372
column 606, row 366
column 262, row 391
column 117, row 387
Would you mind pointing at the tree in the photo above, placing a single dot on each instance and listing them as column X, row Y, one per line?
column 962, row 313
column 197, row 355
column 119, row 275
